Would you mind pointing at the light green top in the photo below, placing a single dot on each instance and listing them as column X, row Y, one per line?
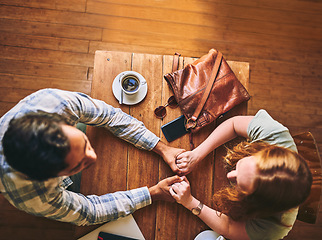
column 264, row 127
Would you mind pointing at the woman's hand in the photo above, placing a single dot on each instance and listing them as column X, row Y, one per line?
column 180, row 191
column 187, row 161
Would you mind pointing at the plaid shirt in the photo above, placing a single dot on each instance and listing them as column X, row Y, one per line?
column 50, row 198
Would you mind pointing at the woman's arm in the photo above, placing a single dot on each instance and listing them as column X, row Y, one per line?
column 228, row 130
column 217, row 221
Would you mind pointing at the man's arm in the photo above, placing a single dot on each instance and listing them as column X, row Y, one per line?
column 97, row 113
column 79, row 107
column 94, row 112
column 169, row 155
column 67, row 206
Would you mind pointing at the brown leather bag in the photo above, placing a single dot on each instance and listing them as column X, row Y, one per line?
column 206, row 89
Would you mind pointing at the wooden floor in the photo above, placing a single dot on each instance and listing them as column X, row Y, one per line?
column 51, row 43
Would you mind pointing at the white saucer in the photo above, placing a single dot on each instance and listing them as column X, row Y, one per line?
column 130, row 99
column 207, row 235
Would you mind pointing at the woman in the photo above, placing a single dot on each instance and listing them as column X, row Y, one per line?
column 269, row 180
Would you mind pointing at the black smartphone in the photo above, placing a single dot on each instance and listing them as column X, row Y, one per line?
column 174, row 129
column 110, row 236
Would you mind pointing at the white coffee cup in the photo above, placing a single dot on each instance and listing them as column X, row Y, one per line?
column 130, row 83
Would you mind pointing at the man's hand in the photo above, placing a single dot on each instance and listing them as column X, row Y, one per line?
column 169, row 155
column 187, row 161
column 161, row 190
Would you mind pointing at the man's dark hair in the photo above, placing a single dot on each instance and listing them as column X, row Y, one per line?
column 35, row 145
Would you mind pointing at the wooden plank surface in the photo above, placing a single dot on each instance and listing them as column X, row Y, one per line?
column 111, row 151
column 143, row 165
column 124, row 167
column 14, row 25
column 43, row 42
column 72, row 5
column 278, row 57
column 238, row 23
column 166, row 210
column 306, row 147
column 149, row 22
column 15, row 224
column 47, row 56
column 112, row 159
column 60, row 71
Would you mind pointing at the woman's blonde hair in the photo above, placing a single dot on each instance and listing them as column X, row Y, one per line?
column 284, row 182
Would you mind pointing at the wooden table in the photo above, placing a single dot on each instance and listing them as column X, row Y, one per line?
column 121, row 166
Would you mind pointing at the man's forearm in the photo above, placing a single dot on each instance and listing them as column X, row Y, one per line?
column 160, row 148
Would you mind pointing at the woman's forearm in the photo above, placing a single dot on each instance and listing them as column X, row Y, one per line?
column 219, row 222
column 226, row 131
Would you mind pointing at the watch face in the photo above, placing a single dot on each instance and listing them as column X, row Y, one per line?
column 195, row 211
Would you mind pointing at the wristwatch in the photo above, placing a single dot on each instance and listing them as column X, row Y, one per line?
column 196, row 211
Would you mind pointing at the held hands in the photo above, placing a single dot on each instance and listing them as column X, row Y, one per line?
column 161, row 190
column 180, row 191
column 169, row 155
column 180, row 161
column 186, row 162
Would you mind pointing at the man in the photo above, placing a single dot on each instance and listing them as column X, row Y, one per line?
column 42, row 148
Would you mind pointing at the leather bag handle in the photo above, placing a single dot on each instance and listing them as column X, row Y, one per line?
column 191, row 122
column 175, row 63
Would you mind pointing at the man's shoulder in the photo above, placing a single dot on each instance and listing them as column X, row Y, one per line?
column 49, row 100
column 49, row 93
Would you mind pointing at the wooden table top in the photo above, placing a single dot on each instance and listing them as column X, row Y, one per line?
column 121, row 166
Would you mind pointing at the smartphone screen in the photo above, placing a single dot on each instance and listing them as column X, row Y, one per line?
column 174, row 129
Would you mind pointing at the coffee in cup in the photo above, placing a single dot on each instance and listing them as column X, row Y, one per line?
column 130, row 84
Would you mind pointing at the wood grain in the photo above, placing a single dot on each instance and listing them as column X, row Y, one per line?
column 131, row 168
column 281, row 40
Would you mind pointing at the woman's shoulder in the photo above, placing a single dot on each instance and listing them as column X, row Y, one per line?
column 263, row 127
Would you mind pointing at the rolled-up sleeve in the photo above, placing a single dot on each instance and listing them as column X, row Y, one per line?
column 79, row 107
column 92, row 209
column 50, row 198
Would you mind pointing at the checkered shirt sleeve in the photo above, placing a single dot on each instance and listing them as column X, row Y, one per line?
column 50, row 198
